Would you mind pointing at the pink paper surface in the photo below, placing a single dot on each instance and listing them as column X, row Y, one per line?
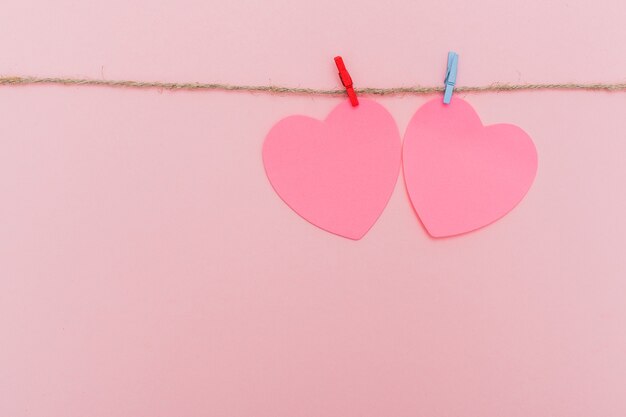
column 148, row 269
column 337, row 174
column 461, row 175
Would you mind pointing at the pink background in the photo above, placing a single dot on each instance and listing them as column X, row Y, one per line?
column 147, row 268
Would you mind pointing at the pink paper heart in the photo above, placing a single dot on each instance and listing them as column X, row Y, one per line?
column 337, row 174
column 461, row 175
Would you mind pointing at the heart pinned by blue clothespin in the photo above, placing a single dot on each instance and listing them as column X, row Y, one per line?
column 450, row 81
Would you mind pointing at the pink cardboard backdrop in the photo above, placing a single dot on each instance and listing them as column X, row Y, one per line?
column 147, row 268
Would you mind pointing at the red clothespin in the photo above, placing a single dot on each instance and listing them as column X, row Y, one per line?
column 346, row 80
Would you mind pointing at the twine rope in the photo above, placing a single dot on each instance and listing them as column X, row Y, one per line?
column 275, row 89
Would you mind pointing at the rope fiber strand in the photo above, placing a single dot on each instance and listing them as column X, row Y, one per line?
column 273, row 89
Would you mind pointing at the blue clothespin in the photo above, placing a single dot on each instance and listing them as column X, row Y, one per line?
column 450, row 81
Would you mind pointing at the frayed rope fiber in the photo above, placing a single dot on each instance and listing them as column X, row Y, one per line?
column 273, row 89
